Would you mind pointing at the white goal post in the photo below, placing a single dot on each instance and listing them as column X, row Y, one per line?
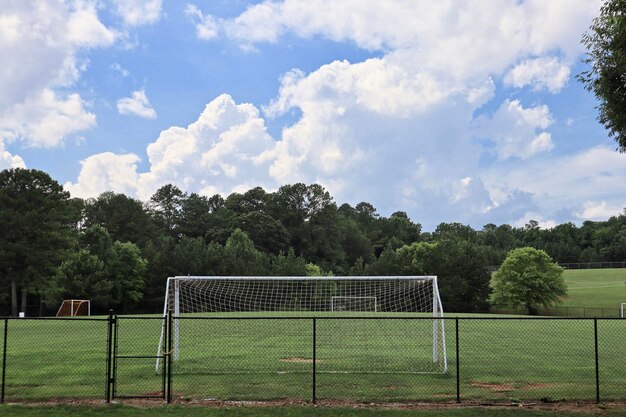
column 621, row 310
column 71, row 308
column 232, row 296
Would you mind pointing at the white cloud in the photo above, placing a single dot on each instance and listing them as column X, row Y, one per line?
column 44, row 44
column 207, row 27
column 517, row 131
column 397, row 130
column 45, row 120
column 562, row 182
column 531, row 215
column 7, row 160
column 139, row 12
column 541, row 73
column 85, row 29
column 137, row 105
column 121, row 70
column 225, row 149
column 106, row 172
column 599, row 210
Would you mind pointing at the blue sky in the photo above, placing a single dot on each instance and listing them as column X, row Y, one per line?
column 451, row 111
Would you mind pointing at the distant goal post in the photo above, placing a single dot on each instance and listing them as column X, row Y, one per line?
column 621, row 310
column 72, row 308
column 267, row 296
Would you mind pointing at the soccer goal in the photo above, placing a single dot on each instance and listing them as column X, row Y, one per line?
column 374, row 300
column 71, row 308
column 621, row 310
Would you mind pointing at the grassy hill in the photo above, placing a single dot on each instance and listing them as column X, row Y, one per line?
column 595, row 287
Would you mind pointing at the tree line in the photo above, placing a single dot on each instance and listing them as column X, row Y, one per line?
column 118, row 251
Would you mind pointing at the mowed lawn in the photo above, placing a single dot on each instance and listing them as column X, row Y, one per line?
column 595, row 288
column 369, row 360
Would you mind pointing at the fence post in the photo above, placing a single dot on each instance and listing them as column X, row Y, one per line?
column 107, row 391
column 169, row 357
column 4, row 359
column 595, row 333
column 458, row 373
column 314, row 357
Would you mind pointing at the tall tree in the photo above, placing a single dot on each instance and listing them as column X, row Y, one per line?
column 38, row 223
column 123, row 217
column 529, row 278
column 606, row 53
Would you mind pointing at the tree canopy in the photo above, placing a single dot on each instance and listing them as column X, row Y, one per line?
column 119, row 251
column 529, row 278
column 606, row 78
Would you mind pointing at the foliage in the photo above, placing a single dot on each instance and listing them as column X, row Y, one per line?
column 295, row 230
column 110, row 274
column 606, row 53
column 529, row 278
column 38, row 223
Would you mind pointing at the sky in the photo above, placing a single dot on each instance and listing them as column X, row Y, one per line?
column 452, row 111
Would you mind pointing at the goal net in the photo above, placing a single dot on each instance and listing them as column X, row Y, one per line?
column 369, row 303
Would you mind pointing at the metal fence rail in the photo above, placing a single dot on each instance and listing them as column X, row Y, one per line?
column 311, row 358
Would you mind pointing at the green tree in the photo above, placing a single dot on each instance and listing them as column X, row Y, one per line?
column 528, row 277
column 38, row 223
column 123, row 217
column 166, row 206
column 111, row 274
column 241, row 258
column 606, row 53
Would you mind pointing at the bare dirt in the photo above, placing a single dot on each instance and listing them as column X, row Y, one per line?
column 579, row 407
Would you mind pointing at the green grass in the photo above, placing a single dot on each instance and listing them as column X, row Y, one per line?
column 595, row 288
column 289, row 411
column 362, row 360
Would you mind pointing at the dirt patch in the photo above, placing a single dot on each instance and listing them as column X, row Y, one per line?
column 298, row 360
column 493, row 386
column 588, row 408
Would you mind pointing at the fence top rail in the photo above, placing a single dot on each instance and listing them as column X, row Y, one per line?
column 68, row 318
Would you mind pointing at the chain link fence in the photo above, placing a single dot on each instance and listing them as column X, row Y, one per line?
column 325, row 358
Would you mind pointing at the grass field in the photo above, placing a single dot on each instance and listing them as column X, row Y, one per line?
column 595, row 287
column 361, row 360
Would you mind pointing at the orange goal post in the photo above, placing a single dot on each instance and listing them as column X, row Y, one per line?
column 71, row 308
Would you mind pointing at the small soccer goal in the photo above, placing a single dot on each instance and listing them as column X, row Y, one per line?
column 354, row 313
column 621, row 310
column 71, row 308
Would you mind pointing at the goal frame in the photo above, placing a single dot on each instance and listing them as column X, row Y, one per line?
column 74, row 302
column 621, row 310
column 437, row 307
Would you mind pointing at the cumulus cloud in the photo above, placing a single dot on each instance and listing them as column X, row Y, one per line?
column 44, row 44
column 207, row 27
column 399, row 129
column 517, row 131
column 139, row 12
column 541, row 73
column 45, row 120
column 599, row 210
column 562, row 182
column 7, row 160
column 106, row 172
column 137, row 105
column 225, row 149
